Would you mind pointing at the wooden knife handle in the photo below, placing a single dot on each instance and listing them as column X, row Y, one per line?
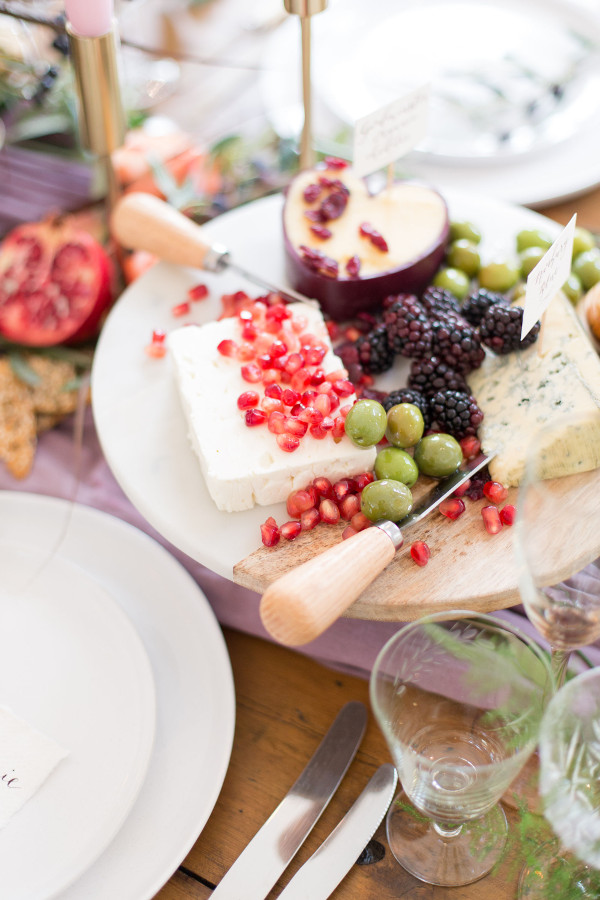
column 144, row 222
column 300, row 605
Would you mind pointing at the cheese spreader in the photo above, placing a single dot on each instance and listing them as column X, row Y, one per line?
column 302, row 603
column 144, row 222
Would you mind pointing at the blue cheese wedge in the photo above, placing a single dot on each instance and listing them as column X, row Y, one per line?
column 244, row 466
column 523, row 391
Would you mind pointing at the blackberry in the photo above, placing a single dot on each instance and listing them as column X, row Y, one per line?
column 408, row 328
column 374, row 352
column 477, row 481
column 436, row 300
column 500, row 329
column 456, row 412
column 409, row 395
column 477, row 304
column 432, row 375
column 348, row 353
column 457, row 344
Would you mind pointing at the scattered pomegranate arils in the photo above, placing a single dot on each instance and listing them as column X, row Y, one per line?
column 294, row 363
column 353, row 266
column 264, row 361
column 348, row 532
column 276, row 422
column 317, row 378
column 323, row 487
column 295, row 426
column 321, row 232
column 271, row 376
column 507, row 514
column 338, row 431
column 420, row 552
column 197, row 292
column 363, row 480
column 270, row 404
column 290, row 530
column 290, row 397
column 336, row 375
column 311, row 415
column 329, row 512
column 269, row 533
column 462, row 489
column 318, row 432
column 491, row 519
column 158, row 336
column 349, row 506
column 314, row 494
column 308, row 397
column 312, row 192
column 296, row 409
column 334, row 162
column 341, row 489
column 181, row 309
column 359, row 521
column 278, row 348
column 245, row 352
column 155, row 350
column 343, row 388
column 227, row 348
column 251, row 373
column 367, row 230
column 452, row 507
column 309, row 519
column 323, row 404
column 249, row 331
column 278, row 312
column 255, row 417
column 274, row 391
column 247, row 400
column 470, row 447
column 333, row 330
column 299, row 501
column 495, row 491
column 288, row 442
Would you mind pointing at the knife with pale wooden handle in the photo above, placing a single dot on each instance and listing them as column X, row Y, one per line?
column 300, row 605
column 144, row 222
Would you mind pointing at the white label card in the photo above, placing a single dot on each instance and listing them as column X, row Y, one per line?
column 547, row 277
column 26, row 759
column 390, row 132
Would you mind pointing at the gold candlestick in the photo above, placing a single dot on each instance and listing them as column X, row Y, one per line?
column 305, row 9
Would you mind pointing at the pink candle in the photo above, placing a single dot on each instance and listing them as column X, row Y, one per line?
column 89, row 18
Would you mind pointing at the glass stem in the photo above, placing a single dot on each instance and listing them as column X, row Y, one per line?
column 447, row 831
column 560, row 664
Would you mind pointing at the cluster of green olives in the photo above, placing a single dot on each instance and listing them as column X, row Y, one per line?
column 463, row 263
column 397, row 470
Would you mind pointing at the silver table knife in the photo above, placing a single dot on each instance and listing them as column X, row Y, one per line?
column 322, row 873
column 260, row 864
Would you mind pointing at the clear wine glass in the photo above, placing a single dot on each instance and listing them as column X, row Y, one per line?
column 557, row 536
column 459, row 698
column 570, row 790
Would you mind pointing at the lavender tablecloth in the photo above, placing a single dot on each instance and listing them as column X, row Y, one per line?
column 350, row 645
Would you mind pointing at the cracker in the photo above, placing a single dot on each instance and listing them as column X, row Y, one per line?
column 48, row 395
column 17, row 423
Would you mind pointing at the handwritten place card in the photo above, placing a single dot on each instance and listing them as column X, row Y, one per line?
column 547, row 277
column 390, row 132
column 26, row 759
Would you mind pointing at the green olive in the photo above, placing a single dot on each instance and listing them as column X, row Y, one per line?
column 405, row 425
column 572, row 288
column 498, row 276
column 530, row 257
column 533, row 237
column 365, row 423
column 386, row 499
column 519, row 291
column 453, row 280
column 463, row 230
column 464, row 255
column 438, row 455
column 586, row 266
column 582, row 240
column 396, row 464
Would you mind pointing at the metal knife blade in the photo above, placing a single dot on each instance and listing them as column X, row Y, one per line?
column 260, row 864
column 322, row 873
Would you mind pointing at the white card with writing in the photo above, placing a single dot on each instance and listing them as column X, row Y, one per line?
column 547, row 277
column 27, row 757
column 390, row 132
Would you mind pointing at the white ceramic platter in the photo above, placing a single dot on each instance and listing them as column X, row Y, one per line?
column 195, row 703
column 135, row 403
column 73, row 668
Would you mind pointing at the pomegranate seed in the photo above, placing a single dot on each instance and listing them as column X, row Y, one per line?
column 495, row 491
column 296, row 409
column 343, row 388
column 271, row 376
column 249, row 331
column 344, row 410
column 295, row 426
column 320, row 231
column 313, row 356
column 269, row 533
column 491, row 519
column 251, row 373
column 158, row 337
column 276, row 422
column 341, row 489
column 156, row 350
column 462, row 489
column 338, row 431
column 420, row 553
column 334, row 400
column 300, row 380
column 290, row 530
column 312, row 192
column 264, row 361
column 182, row 309
column 323, row 487
column 317, row 378
column 311, row 415
column 323, row 404
column 367, row 230
column 274, row 391
column 327, row 424
column 329, row 512
column 353, row 266
column 314, row 495
column 452, row 507
column 363, row 480
column 470, row 447
column 278, row 348
column 359, row 521
column 245, row 352
column 270, row 405
column 299, row 501
column 245, row 315
column 247, row 400
column 227, row 348
column 288, row 442
column 294, row 363
column 309, row 519
column 348, row 532
column 334, row 162
column 349, row 506
column 318, row 432
column 255, row 417
column 198, row 292
column 290, row 397
column 337, row 375
column 507, row 514
column 308, row 398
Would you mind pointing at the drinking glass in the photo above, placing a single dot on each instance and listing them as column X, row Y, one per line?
column 557, row 536
column 570, row 790
column 459, row 698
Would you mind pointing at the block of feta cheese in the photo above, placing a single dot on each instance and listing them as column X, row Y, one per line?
column 521, row 392
column 244, row 466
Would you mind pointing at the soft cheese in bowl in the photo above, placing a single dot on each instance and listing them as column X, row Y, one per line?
column 264, row 397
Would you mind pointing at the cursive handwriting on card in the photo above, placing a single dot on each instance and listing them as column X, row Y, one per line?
column 390, row 132
column 9, row 780
column 547, row 277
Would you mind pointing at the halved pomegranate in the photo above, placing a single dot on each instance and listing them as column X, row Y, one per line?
column 55, row 284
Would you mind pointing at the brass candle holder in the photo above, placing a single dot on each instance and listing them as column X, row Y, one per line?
column 305, row 9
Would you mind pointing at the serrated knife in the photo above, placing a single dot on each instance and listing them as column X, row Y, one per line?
column 303, row 602
column 260, row 864
column 328, row 865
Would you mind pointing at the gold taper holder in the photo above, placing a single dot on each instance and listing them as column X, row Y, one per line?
column 305, row 9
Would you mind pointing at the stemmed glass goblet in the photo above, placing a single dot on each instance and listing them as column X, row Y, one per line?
column 459, row 698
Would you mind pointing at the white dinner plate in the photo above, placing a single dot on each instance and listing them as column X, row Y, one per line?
column 73, row 667
column 136, row 407
column 195, row 702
